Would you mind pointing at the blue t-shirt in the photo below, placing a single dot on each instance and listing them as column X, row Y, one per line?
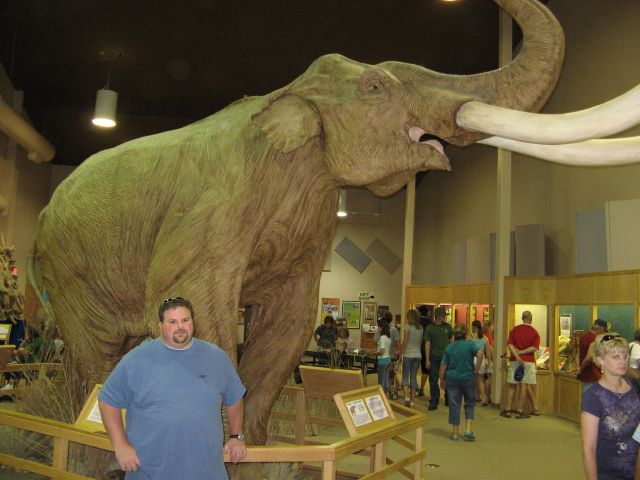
column 458, row 357
column 619, row 416
column 174, row 400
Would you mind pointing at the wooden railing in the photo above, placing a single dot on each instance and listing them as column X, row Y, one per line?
column 327, row 455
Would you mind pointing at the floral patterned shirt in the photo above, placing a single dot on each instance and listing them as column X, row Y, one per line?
column 619, row 416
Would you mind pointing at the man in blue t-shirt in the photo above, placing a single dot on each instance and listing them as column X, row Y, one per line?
column 173, row 389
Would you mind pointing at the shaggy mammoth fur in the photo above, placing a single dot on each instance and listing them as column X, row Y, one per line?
column 239, row 208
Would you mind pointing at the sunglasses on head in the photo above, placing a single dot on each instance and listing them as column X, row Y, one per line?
column 606, row 338
column 171, row 299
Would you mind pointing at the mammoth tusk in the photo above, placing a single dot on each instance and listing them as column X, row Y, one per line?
column 606, row 119
column 591, row 153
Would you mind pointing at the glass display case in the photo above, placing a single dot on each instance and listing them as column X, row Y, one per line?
column 572, row 322
column 480, row 312
column 448, row 308
column 460, row 314
column 621, row 318
column 429, row 307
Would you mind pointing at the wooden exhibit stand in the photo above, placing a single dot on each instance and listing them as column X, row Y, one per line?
column 407, row 422
column 6, row 351
column 558, row 391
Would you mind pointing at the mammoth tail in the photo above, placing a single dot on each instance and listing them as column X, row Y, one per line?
column 35, row 280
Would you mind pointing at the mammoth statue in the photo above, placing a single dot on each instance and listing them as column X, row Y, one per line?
column 238, row 209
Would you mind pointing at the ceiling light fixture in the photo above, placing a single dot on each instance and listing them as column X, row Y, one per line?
column 104, row 114
column 342, row 204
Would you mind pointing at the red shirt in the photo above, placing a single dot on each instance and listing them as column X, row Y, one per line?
column 591, row 373
column 489, row 338
column 524, row 336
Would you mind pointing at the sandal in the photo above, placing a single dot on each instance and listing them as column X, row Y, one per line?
column 505, row 413
column 522, row 415
column 469, row 436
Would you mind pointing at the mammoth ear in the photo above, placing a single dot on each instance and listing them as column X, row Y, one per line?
column 289, row 121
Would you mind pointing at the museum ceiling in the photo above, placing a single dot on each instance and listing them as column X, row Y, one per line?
column 173, row 63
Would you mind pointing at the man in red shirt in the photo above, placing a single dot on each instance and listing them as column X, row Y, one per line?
column 588, row 372
column 523, row 341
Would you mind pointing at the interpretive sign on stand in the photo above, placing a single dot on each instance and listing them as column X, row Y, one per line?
column 5, row 332
column 90, row 418
column 364, row 409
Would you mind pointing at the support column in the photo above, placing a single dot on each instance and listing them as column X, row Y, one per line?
column 407, row 256
column 503, row 225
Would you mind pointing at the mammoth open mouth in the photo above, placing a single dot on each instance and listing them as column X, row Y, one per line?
column 418, row 135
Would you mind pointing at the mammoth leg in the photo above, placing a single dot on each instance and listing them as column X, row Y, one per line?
column 281, row 325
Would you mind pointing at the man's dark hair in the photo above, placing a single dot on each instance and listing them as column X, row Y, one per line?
column 174, row 302
column 424, row 310
column 388, row 317
column 384, row 329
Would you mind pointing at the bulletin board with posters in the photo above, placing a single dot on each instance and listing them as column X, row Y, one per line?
column 364, row 410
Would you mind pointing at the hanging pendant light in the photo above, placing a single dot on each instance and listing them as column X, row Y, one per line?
column 104, row 114
column 342, row 204
column 105, row 111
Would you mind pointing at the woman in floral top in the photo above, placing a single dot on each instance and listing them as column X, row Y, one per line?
column 327, row 333
column 610, row 414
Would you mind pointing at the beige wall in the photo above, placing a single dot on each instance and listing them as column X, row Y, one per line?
column 26, row 186
column 345, row 282
column 601, row 62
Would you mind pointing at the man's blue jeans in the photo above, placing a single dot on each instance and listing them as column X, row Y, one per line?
column 457, row 391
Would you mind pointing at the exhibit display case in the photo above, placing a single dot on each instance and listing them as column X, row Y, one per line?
column 563, row 309
column 572, row 321
column 620, row 318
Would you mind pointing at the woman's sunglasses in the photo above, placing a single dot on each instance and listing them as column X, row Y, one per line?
column 606, row 338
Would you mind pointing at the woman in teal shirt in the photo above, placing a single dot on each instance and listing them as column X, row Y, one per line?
column 457, row 375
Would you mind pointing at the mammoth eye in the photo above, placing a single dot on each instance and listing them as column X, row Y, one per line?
column 373, row 85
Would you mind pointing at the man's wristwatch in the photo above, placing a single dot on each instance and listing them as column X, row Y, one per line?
column 239, row 436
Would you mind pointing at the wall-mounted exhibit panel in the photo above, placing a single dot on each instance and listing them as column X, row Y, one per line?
column 464, row 303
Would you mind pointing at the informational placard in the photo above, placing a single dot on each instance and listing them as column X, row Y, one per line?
column 330, row 306
column 351, row 312
column 364, row 410
column 90, row 418
column 376, row 407
column 5, row 331
column 565, row 325
column 369, row 313
column 359, row 413
column 366, row 296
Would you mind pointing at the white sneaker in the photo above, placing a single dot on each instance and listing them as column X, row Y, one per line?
column 407, row 402
column 8, row 386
